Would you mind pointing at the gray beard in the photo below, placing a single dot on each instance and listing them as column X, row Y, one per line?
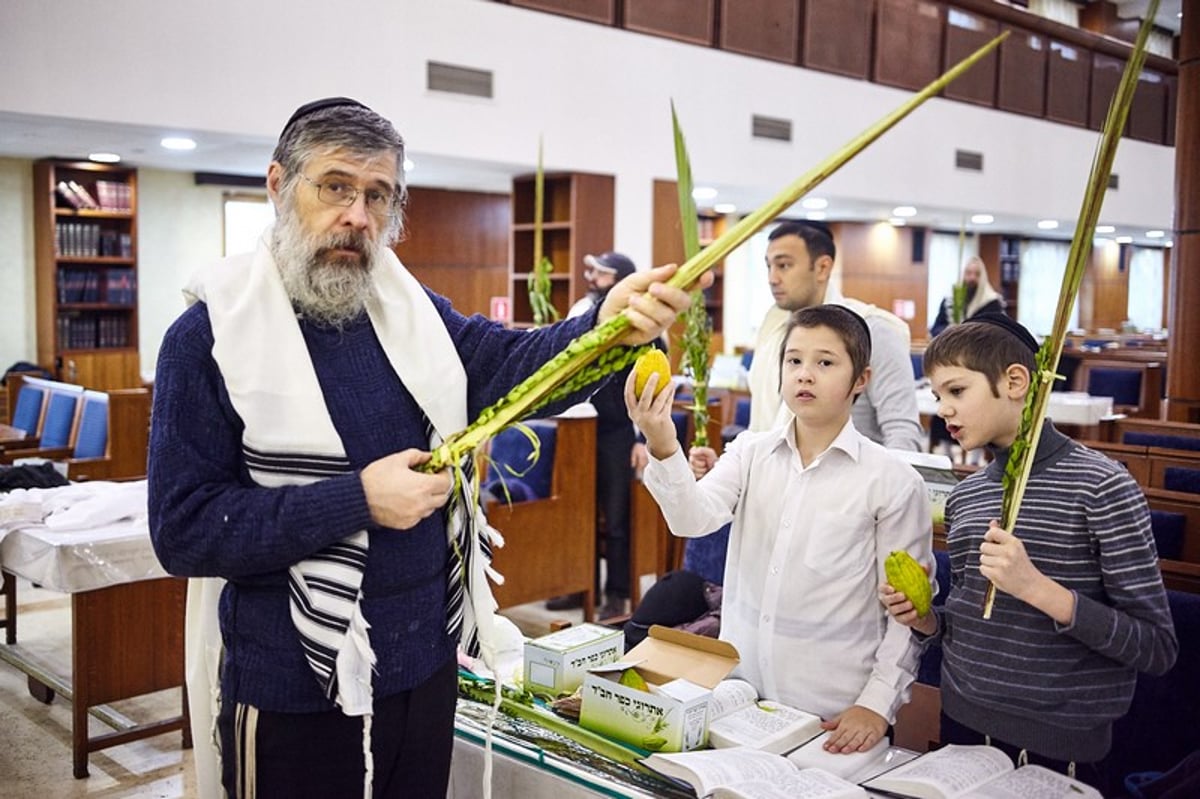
column 329, row 290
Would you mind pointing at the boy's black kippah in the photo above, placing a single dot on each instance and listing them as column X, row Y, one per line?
column 857, row 318
column 319, row 105
column 1009, row 324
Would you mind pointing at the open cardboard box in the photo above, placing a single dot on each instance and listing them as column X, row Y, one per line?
column 556, row 663
column 681, row 670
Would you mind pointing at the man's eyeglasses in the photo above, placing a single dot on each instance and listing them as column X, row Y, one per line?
column 336, row 192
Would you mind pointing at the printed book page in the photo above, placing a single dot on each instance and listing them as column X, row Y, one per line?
column 853, row 766
column 708, row 769
column 739, row 718
column 945, row 773
column 812, row 783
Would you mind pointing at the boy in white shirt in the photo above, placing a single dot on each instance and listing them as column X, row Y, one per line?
column 816, row 509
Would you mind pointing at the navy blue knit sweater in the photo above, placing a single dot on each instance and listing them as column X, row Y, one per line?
column 208, row 518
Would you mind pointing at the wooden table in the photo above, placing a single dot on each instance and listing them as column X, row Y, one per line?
column 126, row 627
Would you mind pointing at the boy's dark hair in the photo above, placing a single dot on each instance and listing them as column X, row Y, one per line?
column 850, row 327
column 981, row 347
column 817, row 236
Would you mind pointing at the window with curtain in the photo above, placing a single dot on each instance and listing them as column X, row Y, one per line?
column 945, row 262
column 245, row 215
column 1146, row 289
column 1043, row 264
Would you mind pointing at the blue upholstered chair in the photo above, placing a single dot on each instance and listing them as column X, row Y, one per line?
column 1161, row 440
column 91, row 437
column 1123, row 385
column 31, row 402
column 929, row 670
column 510, row 466
column 1180, row 478
column 60, row 418
column 1168, row 528
column 918, row 364
column 1162, row 727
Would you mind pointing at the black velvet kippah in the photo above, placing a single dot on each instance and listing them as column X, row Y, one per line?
column 318, row 105
column 857, row 318
column 1009, row 324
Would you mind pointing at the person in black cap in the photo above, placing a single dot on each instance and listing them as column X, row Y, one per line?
column 295, row 401
column 617, row 450
column 1080, row 607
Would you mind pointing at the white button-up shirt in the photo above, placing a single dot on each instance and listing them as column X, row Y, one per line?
column 805, row 560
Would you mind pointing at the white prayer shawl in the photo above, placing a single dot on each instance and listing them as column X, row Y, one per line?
column 267, row 371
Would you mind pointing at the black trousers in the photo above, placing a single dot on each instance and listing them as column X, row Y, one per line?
column 613, row 475
column 320, row 755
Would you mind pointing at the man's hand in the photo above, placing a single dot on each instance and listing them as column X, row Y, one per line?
column 854, row 730
column 399, row 496
column 648, row 302
column 638, row 458
column 652, row 415
column 701, row 459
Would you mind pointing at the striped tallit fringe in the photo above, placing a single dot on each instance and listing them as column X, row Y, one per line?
column 324, row 590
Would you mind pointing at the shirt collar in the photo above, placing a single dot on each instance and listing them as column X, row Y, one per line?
column 847, row 440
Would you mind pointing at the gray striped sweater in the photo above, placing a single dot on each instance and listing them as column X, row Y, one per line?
column 1021, row 677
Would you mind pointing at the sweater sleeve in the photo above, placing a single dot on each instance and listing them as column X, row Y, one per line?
column 1134, row 626
column 207, row 518
column 890, row 389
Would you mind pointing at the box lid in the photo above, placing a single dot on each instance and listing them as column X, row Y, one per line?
column 571, row 638
column 667, row 654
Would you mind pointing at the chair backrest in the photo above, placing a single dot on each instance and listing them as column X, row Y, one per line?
column 741, row 412
column 918, row 364
column 27, row 415
column 1179, row 478
column 91, row 437
column 60, row 418
column 1169, row 528
column 1161, row 440
column 929, row 669
column 1123, row 385
column 510, row 462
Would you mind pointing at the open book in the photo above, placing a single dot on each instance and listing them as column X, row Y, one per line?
column 742, row 773
column 737, row 717
column 976, row 771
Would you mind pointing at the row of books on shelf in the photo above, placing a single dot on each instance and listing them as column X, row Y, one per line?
column 114, row 286
column 103, row 331
column 91, row 240
column 111, row 195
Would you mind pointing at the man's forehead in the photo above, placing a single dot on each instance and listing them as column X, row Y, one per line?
column 787, row 245
column 378, row 166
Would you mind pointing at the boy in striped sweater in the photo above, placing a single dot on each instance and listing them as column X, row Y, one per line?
column 1080, row 606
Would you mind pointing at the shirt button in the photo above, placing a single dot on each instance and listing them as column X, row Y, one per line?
column 766, row 618
column 787, row 522
column 774, row 570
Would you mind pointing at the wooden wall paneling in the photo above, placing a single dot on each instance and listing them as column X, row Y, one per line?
column 1108, row 279
column 1106, row 74
column 1021, row 87
column 686, row 20
column 1172, row 98
column 908, row 43
column 456, row 243
column 966, row 32
column 602, row 11
column 764, row 28
column 836, row 36
column 1068, row 83
column 876, row 266
column 1148, row 114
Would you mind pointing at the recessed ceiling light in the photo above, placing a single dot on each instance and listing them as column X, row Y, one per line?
column 1047, row 224
column 703, row 193
column 1105, row 229
column 104, row 158
column 1124, row 239
column 816, row 216
column 408, row 165
column 178, row 143
column 896, row 221
column 983, row 219
column 725, row 208
column 904, row 210
column 815, row 203
column 1155, row 234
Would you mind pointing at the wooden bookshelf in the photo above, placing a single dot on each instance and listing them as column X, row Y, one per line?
column 577, row 220
column 85, row 240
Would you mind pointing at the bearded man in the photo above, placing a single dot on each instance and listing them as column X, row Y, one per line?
column 295, row 401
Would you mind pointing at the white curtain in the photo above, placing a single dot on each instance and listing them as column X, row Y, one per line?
column 1064, row 11
column 945, row 263
column 1043, row 264
column 1146, row 288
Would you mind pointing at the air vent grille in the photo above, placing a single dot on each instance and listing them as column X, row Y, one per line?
column 771, row 128
column 458, row 80
column 966, row 159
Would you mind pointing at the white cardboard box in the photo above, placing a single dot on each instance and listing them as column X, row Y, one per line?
column 556, row 663
column 681, row 670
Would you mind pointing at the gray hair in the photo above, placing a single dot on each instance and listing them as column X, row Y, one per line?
column 351, row 128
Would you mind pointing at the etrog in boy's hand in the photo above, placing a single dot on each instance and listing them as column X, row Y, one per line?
column 651, row 362
column 906, row 576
